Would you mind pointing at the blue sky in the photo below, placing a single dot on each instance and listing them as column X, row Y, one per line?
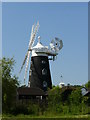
column 68, row 21
column 88, row 40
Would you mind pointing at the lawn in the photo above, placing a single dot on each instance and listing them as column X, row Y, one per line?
column 64, row 117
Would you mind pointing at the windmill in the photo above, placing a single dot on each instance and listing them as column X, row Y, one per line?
column 39, row 73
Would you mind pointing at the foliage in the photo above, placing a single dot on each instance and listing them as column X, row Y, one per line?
column 59, row 101
column 9, row 84
column 19, row 109
column 74, row 103
column 87, row 85
column 27, row 109
column 75, row 97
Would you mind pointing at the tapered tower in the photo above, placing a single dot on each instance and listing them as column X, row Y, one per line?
column 39, row 75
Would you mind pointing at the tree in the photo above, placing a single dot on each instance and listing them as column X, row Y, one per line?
column 9, row 84
column 76, row 97
column 87, row 85
column 54, row 100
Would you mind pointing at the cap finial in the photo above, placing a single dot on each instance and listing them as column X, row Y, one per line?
column 39, row 38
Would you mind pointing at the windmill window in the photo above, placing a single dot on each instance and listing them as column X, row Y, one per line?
column 44, row 84
column 44, row 72
column 43, row 62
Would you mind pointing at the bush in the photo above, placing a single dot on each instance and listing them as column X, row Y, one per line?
column 30, row 109
column 19, row 109
column 75, row 97
column 33, row 109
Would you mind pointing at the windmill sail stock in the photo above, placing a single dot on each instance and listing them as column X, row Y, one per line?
column 31, row 42
column 27, row 51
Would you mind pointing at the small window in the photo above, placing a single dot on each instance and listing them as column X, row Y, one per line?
column 43, row 62
column 44, row 84
column 44, row 72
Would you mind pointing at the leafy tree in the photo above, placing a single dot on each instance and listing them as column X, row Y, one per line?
column 76, row 97
column 87, row 85
column 9, row 84
column 54, row 96
column 54, row 100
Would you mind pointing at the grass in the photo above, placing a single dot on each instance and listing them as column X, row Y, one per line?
column 42, row 117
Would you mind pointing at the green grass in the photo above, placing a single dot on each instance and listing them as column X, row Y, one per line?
column 64, row 117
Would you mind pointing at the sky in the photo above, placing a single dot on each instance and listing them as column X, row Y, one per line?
column 0, row 30
column 68, row 21
column 88, row 41
column 45, row 0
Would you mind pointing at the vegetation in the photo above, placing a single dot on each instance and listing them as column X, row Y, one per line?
column 59, row 101
column 73, row 104
column 9, row 84
column 53, row 117
column 87, row 85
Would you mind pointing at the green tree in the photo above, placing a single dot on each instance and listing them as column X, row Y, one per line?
column 87, row 85
column 76, row 97
column 9, row 84
column 54, row 100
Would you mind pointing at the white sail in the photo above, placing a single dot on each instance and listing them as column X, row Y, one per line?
column 31, row 42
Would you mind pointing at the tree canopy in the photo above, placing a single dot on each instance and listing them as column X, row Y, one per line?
column 87, row 85
column 9, row 83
